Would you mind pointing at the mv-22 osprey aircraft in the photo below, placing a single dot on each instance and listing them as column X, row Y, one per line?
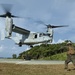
column 27, row 38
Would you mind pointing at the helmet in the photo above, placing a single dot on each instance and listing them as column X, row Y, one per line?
column 69, row 43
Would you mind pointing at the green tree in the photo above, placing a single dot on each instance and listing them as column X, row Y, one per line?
column 14, row 56
column 46, row 51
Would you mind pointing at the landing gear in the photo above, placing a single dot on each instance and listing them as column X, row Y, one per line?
column 20, row 44
column 31, row 46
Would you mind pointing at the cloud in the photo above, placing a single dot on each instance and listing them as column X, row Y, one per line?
column 60, row 41
column 13, row 48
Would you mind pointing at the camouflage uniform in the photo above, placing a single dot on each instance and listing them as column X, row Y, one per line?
column 70, row 56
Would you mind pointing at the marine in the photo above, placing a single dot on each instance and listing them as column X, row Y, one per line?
column 70, row 55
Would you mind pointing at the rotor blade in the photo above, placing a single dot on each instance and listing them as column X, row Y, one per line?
column 52, row 26
column 15, row 16
column 35, row 20
column 7, row 7
column 40, row 22
column 59, row 26
column 4, row 15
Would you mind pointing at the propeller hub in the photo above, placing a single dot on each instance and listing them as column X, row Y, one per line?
column 49, row 26
column 8, row 14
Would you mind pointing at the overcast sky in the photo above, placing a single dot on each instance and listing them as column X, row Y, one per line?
column 55, row 12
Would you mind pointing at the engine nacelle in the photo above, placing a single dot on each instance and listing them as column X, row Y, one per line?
column 8, row 27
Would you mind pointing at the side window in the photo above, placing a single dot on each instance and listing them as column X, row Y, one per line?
column 40, row 35
column 35, row 36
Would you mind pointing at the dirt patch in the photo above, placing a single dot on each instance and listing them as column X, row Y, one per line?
column 17, row 69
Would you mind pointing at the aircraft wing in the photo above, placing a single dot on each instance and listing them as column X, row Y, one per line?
column 20, row 30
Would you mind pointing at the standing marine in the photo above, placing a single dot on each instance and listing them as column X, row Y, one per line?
column 70, row 55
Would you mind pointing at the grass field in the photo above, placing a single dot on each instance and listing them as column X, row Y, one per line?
column 17, row 69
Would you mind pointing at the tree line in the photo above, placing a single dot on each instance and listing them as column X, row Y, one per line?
column 43, row 51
